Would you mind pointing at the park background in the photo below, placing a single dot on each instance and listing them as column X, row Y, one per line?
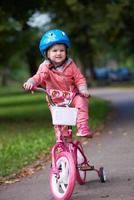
column 102, row 38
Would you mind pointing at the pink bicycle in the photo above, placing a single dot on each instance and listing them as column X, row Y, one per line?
column 69, row 162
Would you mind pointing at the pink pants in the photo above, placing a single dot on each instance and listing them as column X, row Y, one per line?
column 81, row 103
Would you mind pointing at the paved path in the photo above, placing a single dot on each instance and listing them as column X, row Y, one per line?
column 113, row 148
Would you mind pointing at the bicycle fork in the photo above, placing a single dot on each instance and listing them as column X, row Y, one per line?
column 57, row 148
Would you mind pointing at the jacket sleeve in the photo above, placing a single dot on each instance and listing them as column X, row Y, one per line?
column 41, row 74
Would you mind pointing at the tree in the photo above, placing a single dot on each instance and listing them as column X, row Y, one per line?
column 115, row 31
column 91, row 25
column 16, row 35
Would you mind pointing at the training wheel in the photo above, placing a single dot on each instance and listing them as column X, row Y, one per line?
column 102, row 175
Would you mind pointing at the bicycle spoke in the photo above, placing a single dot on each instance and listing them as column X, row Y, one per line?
column 64, row 187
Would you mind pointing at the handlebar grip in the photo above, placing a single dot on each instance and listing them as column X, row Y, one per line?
column 34, row 88
column 40, row 89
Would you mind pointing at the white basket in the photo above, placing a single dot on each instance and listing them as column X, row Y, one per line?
column 64, row 115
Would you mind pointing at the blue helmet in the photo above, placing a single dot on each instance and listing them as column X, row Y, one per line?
column 52, row 37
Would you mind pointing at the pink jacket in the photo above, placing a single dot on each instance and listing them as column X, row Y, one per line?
column 69, row 79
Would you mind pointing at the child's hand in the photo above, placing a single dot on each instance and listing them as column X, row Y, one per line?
column 28, row 86
column 84, row 91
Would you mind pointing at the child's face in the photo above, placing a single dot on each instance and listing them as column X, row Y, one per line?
column 57, row 53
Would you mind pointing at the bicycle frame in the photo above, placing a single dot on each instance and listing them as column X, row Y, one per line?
column 66, row 151
column 60, row 143
column 63, row 145
column 60, row 140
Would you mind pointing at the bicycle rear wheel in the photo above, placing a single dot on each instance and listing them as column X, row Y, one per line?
column 80, row 160
column 62, row 186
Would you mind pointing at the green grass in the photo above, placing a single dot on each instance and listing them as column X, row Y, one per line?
column 26, row 130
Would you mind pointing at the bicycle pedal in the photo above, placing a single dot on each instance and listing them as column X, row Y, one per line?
column 86, row 168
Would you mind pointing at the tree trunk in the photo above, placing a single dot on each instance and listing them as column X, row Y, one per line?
column 32, row 60
column 4, row 77
column 87, row 65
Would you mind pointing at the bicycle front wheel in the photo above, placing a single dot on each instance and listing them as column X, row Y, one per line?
column 80, row 160
column 62, row 183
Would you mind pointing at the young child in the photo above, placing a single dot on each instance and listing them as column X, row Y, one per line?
column 60, row 72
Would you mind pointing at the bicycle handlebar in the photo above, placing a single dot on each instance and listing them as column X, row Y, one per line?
column 34, row 88
column 67, row 96
column 65, row 103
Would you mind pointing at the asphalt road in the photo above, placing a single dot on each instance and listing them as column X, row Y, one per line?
column 113, row 148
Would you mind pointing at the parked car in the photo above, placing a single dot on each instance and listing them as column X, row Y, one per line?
column 119, row 74
column 102, row 73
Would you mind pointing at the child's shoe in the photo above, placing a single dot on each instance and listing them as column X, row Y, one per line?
column 84, row 131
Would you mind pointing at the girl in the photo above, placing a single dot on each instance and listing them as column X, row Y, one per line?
column 60, row 72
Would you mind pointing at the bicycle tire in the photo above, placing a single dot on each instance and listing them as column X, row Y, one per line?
column 62, row 187
column 102, row 175
column 80, row 175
